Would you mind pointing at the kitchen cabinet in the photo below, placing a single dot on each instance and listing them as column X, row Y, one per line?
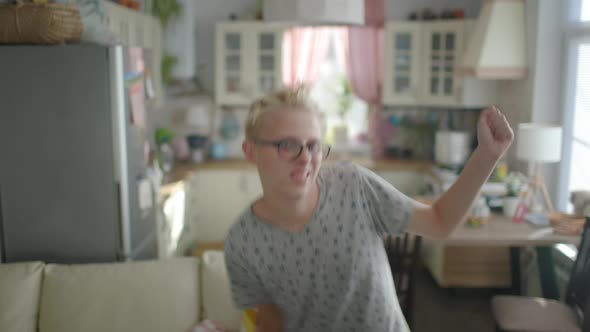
column 411, row 183
column 215, row 196
column 442, row 44
column 132, row 28
column 214, row 200
column 249, row 61
column 402, row 51
column 420, row 62
column 461, row 266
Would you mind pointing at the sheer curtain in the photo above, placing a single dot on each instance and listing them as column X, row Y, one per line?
column 304, row 50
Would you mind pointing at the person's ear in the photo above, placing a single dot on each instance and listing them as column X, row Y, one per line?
column 248, row 147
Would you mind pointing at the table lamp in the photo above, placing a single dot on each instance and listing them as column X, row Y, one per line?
column 538, row 143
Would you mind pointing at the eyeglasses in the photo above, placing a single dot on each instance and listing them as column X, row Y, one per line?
column 291, row 149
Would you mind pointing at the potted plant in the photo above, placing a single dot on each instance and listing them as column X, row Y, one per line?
column 166, row 10
column 340, row 132
column 516, row 183
column 165, row 153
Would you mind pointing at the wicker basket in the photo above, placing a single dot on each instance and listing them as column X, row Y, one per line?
column 40, row 24
column 567, row 224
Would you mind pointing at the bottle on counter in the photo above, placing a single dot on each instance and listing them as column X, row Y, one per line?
column 480, row 213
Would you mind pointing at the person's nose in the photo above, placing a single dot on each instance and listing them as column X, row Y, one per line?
column 305, row 156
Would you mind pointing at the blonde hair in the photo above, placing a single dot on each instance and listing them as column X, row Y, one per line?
column 287, row 99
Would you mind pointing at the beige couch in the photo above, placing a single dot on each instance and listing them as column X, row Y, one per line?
column 154, row 296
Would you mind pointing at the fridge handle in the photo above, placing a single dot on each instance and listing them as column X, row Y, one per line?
column 120, row 252
column 2, row 239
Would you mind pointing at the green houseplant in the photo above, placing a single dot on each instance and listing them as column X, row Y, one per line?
column 340, row 132
column 166, row 10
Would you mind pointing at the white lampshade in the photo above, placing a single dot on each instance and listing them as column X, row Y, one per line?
column 538, row 142
column 315, row 12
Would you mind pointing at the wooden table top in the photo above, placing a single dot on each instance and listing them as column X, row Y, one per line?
column 501, row 231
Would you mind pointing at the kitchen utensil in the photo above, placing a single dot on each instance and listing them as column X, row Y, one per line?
column 198, row 146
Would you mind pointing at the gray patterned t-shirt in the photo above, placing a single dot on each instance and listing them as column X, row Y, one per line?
column 334, row 275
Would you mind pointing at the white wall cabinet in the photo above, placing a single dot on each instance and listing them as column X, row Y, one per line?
column 442, row 45
column 402, row 65
column 214, row 200
column 132, row 28
column 420, row 61
column 248, row 62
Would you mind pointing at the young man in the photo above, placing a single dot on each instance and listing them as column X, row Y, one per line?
column 309, row 253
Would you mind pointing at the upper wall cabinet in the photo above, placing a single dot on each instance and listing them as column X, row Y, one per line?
column 248, row 61
column 402, row 66
column 420, row 61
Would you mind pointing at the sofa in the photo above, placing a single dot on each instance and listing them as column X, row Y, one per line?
column 170, row 295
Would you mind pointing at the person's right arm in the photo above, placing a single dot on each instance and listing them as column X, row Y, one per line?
column 269, row 318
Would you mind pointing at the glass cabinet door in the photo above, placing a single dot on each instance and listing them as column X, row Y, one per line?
column 402, row 63
column 266, row 61
column 248, row 61
column 268, row 50
column 448, row 62
column 233, row 61
column 444, row 44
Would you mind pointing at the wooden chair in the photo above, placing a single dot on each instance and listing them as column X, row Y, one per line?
column 519, row 313
column 403, row 254
column 586, row 324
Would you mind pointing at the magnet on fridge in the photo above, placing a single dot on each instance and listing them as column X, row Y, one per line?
column 145, row 199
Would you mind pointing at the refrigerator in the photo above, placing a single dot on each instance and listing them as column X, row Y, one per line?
column 76, row 185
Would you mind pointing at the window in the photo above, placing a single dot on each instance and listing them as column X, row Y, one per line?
column 579, row 177
column 576, row 152
column 585, row 12
column 576, row 124
column 329, row 93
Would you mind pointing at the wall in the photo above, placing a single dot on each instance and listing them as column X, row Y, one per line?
column 398, row 10
column 538, row 98
column 547, row 94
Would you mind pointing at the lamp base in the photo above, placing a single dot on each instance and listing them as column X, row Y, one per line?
column 536, row 185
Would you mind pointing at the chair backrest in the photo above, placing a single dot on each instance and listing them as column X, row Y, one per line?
column 578, row 289
column 586, row 322
column 402, row 253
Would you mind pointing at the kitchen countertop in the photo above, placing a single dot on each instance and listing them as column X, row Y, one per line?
column 184, row 169
column 502, row 231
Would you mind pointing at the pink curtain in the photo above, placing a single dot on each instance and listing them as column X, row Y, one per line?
column 304, row 50
column 361, row 50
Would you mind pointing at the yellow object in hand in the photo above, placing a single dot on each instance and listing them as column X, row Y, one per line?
column 249, row 320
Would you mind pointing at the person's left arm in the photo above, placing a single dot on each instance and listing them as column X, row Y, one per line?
column 446, row 213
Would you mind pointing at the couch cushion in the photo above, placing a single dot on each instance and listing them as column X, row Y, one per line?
column 151, row 296
column 519, row 313
column 217, row 301
column 20, row 287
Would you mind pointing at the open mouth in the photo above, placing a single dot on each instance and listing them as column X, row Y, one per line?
column 300, row 177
